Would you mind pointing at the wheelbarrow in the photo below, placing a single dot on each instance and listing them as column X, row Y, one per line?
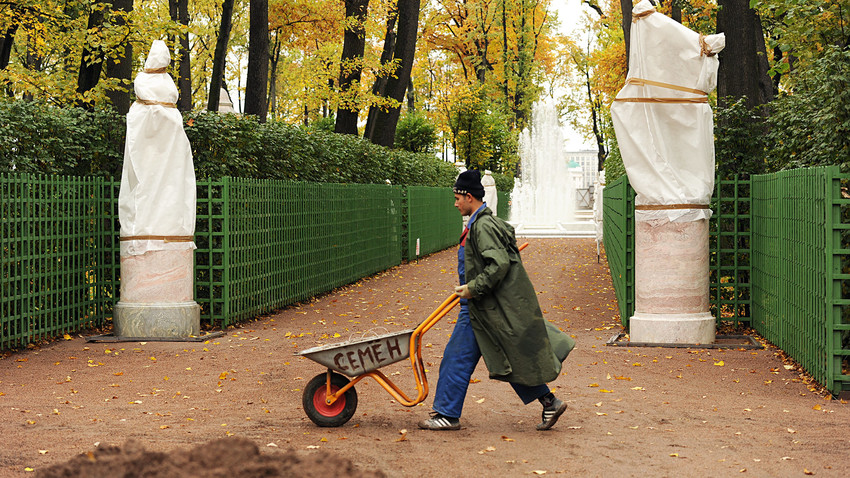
column 330, row 400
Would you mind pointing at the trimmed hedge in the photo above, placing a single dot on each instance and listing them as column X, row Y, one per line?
column 38, row 138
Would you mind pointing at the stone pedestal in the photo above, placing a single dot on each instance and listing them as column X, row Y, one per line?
column 671, row 283
column 157, row 296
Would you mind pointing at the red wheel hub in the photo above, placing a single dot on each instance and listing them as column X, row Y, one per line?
column 321, row 404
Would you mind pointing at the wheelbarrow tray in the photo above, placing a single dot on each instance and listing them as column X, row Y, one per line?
column 356, row 357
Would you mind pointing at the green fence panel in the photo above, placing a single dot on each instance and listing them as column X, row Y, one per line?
column 503, row 205
column 58, row 256
column 286, row 241
column 730, row 251
column 433, row 223
column 797, row 269
column 618, row 235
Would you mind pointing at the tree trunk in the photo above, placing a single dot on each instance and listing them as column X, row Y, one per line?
column 6, row 42
column 743, row 63
column 121, row 67
column 379, row 88
column 626, row 7
column 217, row 74
column 405, row 48
column 274, row 60
column 91, row 61
column 257, row 79
column 353, row 46
column 411, row 96
column 179, row 10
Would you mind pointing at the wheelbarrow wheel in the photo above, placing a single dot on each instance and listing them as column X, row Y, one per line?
column 317, row 408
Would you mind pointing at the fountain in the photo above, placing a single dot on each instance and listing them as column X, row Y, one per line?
column 543, row 202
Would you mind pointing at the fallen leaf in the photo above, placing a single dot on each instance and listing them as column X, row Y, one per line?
column 807, row 472
column 719, row 364
column 539, row 472
column 816, row 407
column 506, row 438
column 272, row 444
column 312, row 447
column 791, row 430
column 481, row 400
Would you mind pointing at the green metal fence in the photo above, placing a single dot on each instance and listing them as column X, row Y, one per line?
column 730, row 251
column 779, row 259
column 261, row 245
column 59, row 266
column 503, row 205
column 433, row 223
column 618, row 235
column 798, row 301
column 282, row 242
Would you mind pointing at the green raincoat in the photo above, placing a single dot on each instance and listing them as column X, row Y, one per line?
column 517, row 343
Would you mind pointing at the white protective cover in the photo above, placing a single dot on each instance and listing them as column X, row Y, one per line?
column 157, row 195
column 668, row 146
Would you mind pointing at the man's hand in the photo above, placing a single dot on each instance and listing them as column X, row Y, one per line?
column 462, row 291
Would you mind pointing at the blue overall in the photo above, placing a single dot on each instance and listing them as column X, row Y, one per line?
column 462, row 355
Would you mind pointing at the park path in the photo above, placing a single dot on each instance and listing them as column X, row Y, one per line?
column 632, row 411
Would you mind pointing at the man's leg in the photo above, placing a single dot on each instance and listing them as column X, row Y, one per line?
column 553, row 408
column 459, row 361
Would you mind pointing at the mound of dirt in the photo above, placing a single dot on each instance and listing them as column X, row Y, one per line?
column 225, row 457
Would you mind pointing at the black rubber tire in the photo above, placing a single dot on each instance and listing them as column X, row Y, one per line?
column 319, row 412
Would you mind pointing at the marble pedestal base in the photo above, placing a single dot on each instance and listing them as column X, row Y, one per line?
column 156, row 296
column 672, row 328
column 671, row 283
column 159, row 320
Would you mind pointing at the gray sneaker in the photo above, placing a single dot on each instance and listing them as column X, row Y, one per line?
column 439, row 421
column 551, row 413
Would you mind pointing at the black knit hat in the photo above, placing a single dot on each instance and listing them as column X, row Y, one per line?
column 469, row 182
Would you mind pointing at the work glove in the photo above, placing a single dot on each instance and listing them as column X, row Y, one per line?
column 463, row 292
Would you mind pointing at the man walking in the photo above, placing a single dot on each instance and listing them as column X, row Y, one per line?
column 500, row 319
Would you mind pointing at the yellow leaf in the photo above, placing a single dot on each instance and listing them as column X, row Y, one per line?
column 807, row 472
column 163, row 427
column 593, row 385
column 636, row 364
column 674, row 455
column 719, row 364
column 816, row 407
column 602, row 390
column 506, row 438
column 66, row 337
column 323, row 439
column 222, row 376
column 539, row 472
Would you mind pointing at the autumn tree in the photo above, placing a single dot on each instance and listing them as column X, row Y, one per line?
column 179, row 11
column 217, row 74
column 258, row 61
column 743, row 62
column 351, row 66
column 386, row 119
